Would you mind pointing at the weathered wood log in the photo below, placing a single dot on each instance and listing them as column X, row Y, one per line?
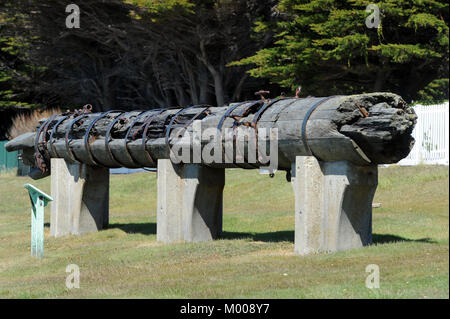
column 364, row 129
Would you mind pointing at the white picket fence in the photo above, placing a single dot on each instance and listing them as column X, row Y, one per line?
column 431, row 134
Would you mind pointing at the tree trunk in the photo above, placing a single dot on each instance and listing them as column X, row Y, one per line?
column 366, row 129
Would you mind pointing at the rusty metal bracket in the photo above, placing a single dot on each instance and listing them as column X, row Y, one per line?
column 262, row 94
column 363, row 110
column 298, row 90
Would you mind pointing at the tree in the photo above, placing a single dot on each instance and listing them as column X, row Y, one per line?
column 326, row 47
column 198, row 39
column 131, row 54
column 97, row 63
column 18, row 76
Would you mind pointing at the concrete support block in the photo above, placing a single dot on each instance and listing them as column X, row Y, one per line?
column 333, row 205
column 189, row 204
column 81, row 198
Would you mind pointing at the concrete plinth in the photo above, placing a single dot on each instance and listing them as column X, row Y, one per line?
column 333, row 205
column 189, row 204
column 81, row 198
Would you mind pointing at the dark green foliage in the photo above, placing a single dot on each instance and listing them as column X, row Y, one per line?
column 17, row 73
column 132, row 54
column 326, row 46
column 143, row 54
column 197, row 39
column 435, row 92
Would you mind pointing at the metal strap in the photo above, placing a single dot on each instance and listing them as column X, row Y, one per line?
column 175, row 116
column 147, row 122
column 196, row 116
column 69, row 128
column 107, row 137
column 259, row 114
column 51, row 140
column 247, row 109
column 37, row 151
column 264, row 108
column 245, row 113
column 229, row 111
column 305, row 121
column 125, row 140
column 87, row 145
column 38, row 135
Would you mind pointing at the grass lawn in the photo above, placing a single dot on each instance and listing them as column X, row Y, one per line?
column 253, row 260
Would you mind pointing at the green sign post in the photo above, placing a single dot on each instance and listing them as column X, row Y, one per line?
column 38, row 202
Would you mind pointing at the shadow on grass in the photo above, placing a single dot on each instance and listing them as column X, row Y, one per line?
column 388, row 238
column 289, row 235
column 150, row 229
column 136, row 228
column 277, row 236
